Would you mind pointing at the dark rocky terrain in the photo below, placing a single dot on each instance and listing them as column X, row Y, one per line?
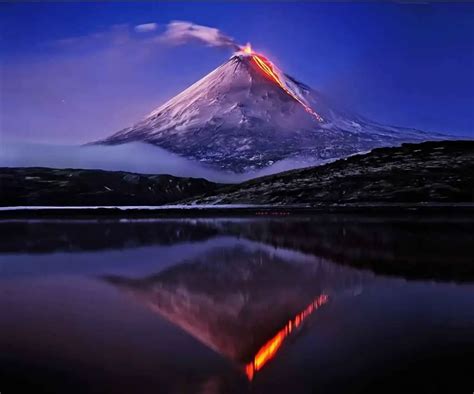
column 435, row 172
column 431, row 172
column 61, row 187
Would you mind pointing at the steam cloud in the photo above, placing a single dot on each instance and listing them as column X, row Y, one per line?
column 181, row 32
column 146, row 27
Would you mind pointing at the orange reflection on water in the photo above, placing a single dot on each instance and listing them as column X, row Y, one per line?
column 269, row 350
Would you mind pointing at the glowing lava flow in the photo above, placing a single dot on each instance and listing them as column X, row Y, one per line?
column 267, row 67
column 269, row 350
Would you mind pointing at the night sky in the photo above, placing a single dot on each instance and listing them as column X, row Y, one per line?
column 72, row 73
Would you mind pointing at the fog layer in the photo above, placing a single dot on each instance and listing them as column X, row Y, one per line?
column 133, row 157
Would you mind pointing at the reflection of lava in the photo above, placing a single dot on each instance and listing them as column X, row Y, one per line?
column 266, row 66
column 269, row 350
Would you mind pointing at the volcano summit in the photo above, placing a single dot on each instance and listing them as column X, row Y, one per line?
column 247, row 115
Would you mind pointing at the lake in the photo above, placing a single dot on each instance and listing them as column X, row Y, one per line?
column 327, row 304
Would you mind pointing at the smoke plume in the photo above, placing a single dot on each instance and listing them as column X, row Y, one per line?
column 146, row 27
column 181, row 32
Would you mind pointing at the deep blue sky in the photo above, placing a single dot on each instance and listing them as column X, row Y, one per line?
column 402, row 64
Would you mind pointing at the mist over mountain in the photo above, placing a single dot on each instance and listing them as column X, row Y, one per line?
column 136, row 157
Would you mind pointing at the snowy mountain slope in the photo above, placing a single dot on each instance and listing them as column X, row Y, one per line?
column 237, row 118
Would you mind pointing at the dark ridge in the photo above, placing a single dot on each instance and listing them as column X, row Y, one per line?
column 37, row 186
column 428, row 172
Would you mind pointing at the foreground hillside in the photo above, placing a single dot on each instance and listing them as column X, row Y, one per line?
column 62, row 187
column 428, row 172
column 441, row 171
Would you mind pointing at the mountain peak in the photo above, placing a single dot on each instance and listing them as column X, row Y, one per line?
column 247, row 114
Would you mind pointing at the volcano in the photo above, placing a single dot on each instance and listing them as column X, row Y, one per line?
column 247, row 115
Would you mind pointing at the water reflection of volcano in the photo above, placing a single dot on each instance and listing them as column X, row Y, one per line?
column 413, row 247
column 240, row 300
column 93, row 235
column 410, row 246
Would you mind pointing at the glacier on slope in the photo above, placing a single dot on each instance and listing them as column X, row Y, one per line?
column 237, row 119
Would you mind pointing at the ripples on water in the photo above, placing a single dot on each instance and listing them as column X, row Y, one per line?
column 329, row 304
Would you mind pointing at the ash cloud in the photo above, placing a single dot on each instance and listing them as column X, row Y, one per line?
column 182, row 32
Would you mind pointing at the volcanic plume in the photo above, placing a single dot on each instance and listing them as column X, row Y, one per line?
column 247, row 114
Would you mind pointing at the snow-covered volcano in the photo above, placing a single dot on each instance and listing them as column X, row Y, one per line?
column 241, row 118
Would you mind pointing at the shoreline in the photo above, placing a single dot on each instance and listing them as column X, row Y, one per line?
column 183, row 211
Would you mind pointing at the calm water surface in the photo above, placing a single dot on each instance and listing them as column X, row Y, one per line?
column 325, row 305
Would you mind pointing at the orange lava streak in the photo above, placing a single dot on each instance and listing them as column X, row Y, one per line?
column 269, row 350
column 267, row 68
